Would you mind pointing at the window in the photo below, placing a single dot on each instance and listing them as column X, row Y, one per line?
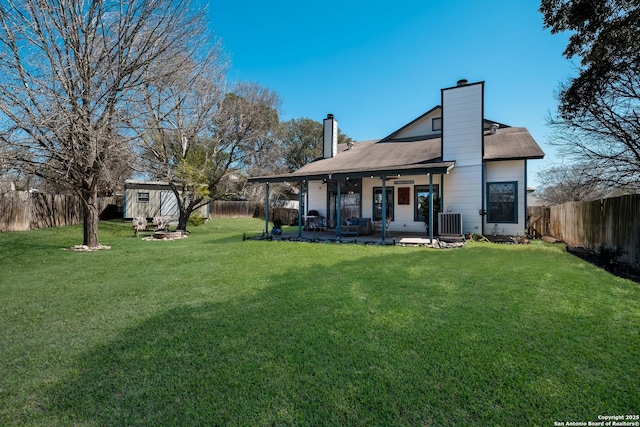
column 436, row 124
column 420, row 195
column 143, row 198
column 502, row 201
column 377, row 203
column 350, row 197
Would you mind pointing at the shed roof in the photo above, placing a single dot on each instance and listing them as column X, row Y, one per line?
column 131, row 184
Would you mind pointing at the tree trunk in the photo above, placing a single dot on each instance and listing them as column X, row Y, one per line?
column 183, row 209
column 90, row 220
column 183, row 217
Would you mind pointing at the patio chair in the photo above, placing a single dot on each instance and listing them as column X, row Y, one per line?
column 377, row 225
column 139, row 224
column 313, row 221
column 161, row 223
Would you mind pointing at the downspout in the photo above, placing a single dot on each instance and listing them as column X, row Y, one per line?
column 338, row 208
column 484, row 211
column 430, row 208
column 300, row 208
column 441, row 192
column 266, row 210
column 384, row 207
column 526, row 208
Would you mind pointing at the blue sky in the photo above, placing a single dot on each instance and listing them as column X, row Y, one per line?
column 378, row 65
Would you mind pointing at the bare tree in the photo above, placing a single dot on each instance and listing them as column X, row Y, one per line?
column 67, row 71
column 605, row 135
column 598, row 120
column 302, row 141
column 201, row 138
column 570, row 183
column 174, row 121
column 246, row 137
column 247, row 130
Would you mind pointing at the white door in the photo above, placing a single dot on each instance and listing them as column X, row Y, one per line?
column 168, row 204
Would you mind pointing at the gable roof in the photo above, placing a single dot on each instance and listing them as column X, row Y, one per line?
column 416, row 154
column 370, row 158
column 395, row 136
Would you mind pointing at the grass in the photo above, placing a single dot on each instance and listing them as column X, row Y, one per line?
column 211, row 330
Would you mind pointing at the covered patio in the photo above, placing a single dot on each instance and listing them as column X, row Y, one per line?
column 333, row 184
column 331, row 236
column 303, row 177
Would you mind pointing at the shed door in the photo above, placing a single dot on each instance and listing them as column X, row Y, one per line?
column 168, row 204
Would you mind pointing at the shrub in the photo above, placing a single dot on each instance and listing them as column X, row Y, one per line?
column 196, row 219
column 479, row 237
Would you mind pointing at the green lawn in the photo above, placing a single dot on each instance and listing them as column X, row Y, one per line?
column 211, row 330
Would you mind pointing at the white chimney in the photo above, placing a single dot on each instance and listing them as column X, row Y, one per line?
column 462, row 127
column 462, row 142
column 330, row 137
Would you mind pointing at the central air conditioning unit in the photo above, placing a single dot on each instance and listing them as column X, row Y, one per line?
column 449, row 224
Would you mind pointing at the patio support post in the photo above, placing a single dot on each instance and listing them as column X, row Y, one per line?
column 300, row 188
column 338, row 209
column 431, row 208
column 266, row 210
column 384, row 207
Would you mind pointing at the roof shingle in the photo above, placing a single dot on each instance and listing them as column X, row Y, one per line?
column 507, row 143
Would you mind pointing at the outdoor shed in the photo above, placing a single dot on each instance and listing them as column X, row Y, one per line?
column 150, row 199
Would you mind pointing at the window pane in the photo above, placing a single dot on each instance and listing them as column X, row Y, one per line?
column 421, row 193
column 349, row 205
column 502, row 201
column 377, row 203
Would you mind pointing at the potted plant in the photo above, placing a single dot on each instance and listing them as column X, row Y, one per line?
column 277, row 227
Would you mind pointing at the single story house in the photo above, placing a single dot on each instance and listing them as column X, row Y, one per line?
column 472, row 171
column 149, row 199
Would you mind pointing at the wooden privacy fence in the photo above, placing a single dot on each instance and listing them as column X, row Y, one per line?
column 231, row 209
column 21, row 210
column 286, row 215
column 539, row 218
column 612, row 224
column 239, row 209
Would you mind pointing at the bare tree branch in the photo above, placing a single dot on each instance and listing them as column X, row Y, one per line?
column 173, row 119
column 68, row 69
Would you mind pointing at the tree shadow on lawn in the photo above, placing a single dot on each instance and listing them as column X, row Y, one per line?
column 351, row 351
column 607, row 260
column 23, row 246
